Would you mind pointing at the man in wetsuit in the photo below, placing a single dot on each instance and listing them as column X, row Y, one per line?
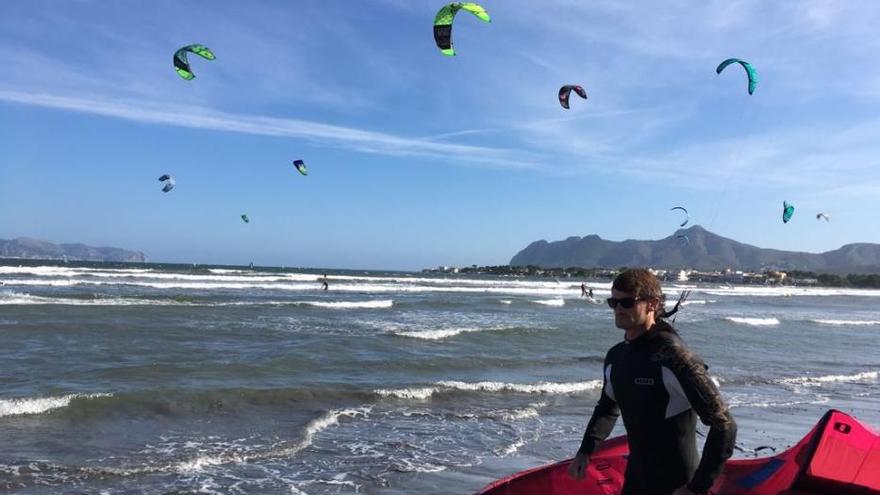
column 660, row 388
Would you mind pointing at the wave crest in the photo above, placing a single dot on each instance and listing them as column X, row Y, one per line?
column 755, row 322
column 39, row 405
column 421, row 393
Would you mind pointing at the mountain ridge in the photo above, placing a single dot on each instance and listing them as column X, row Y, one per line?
column 694, row 248
column 30, row 248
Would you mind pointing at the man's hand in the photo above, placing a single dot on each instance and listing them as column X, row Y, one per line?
column 683, row 490
column 578, row 466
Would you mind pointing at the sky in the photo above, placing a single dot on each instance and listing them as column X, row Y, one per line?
column 416, row 159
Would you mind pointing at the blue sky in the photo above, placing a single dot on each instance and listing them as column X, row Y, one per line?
column 416, row 159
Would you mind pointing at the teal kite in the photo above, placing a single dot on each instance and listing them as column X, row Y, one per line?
column 787, row 211
column 181, row 64
column 753, row 75
column 443, row 23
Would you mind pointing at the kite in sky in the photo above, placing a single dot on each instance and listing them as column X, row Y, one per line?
column 443, row 23
column 787, row 211
column 168, row 182
column 750, row 71
column 181, row 63
column 566, row 90
column 687, row 216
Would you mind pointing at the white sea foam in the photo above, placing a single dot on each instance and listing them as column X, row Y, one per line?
column 380, row 304
column 450, row 385
column 524, row 413
column 410, row 466
column 149, row 274
column 761, row 291
column 62, row 271
column 437, row 334
column 248, row 279
column 221, row 274
column 331, row 418
column 281, row 450
column 39, row 405
column 18, row 299
column 445, row 333
column 510, row 449
column 847, row 322
column 284, row 286
column 539, row 388
column 419, row 393
column 758, row 322
column 506, row 301
column 867, row 376
column 550, row 302
column 820, row 399
column 24, row 299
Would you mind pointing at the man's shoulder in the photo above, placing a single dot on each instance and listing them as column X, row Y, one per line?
column 668, row 339
column 672, row 352
column 616, row 350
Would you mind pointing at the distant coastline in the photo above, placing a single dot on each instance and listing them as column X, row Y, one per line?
column 793, row 278
column 29, row 248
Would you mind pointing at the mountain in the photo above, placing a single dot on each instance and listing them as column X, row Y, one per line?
column 702, row 250
column 25, row 247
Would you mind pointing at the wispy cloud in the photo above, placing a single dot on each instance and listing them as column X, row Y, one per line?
column 808, row 158
column 347, row 137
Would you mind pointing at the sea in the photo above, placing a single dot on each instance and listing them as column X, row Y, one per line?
column 179, row 379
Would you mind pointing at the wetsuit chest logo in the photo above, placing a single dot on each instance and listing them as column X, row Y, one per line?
column 644, row 381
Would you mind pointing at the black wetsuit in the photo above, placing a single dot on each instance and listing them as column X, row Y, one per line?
column 660, row 388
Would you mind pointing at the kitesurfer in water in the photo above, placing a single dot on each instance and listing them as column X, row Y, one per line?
column 585, row 292
column 660, row 388
column 324, row 284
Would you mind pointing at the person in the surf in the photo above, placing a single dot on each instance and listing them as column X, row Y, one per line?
column 583, row 289
column 660, row 388
column 324, row 284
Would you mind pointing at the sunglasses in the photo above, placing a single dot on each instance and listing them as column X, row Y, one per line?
column 626, row 302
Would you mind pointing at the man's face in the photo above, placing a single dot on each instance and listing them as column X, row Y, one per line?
column 634, row 317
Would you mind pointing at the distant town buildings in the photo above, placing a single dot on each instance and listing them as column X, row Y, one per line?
column 726, row 276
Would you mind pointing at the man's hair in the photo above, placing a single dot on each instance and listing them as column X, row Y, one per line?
column 640, row 283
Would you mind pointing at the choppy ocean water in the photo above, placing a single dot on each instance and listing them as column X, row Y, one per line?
column 169, row 379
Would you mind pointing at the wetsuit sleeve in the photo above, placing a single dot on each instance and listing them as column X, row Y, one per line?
column 604, row 417
column 706, row 400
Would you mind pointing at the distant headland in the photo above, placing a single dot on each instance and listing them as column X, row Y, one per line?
column 27, row 248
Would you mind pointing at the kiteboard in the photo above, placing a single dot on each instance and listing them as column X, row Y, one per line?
column 839, row 456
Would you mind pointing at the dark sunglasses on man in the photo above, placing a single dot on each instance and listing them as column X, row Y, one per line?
column 626, row 302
